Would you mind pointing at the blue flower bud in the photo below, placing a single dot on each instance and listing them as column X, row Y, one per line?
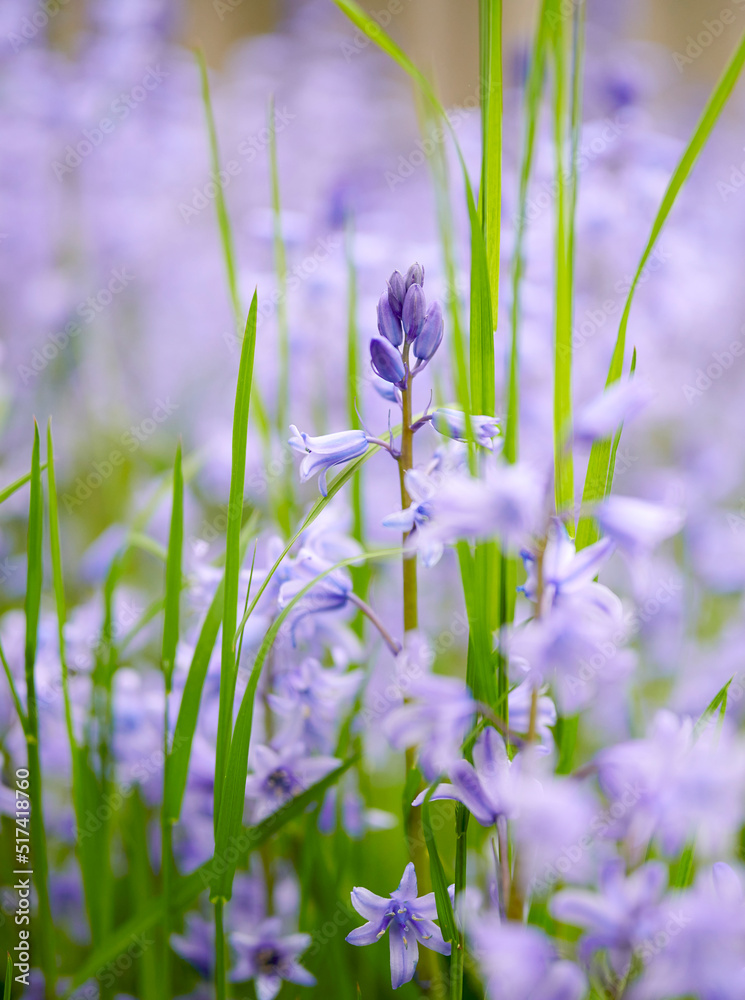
column 430, row 336
column 389, row 325
column 415, row 307
column 414, row 276
column 396, row 292
column 386, row 361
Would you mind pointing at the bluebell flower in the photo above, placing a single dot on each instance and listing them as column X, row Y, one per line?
column 421, row 488
column 430, row 336
column 389, row 324
column 396, row 293
column 414, row 311
column 565, row 571
column 387, row 361
column 408, row 919
column 278, row 776
column 268, row 956
column 325, row 451
column 518, row 962
column 436, row 720
column 484, row 787
column 451, row 423
column 602, row 416
column 311, row 701
column 519, row 702
column 698, row 949
column 638, row 526
column 619, row 917
column 414, row 276
column 682, row 787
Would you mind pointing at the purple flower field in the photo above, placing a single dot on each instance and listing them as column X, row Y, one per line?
column 372, row 501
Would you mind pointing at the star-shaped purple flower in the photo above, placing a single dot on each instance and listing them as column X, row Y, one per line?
column 267, row 956
column 408, row 919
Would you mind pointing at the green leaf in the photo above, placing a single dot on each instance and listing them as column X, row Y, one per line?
column 233, row 799
column 34, row 579
column 223, row 221
column 173, row 574
column 8, row 491
column 186, row 723
column 597, row 481
column 718, row 703
column 439, row 882
column 531, row 114
column 233, row 557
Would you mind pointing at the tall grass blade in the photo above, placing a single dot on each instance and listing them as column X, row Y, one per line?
column 233, row 550
column 597, row 483
column 38, row 840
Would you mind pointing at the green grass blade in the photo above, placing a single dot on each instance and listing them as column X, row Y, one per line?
column 223, row 223
column 597, row 483
column 186, row 723
column 13, row 689
column 173, row 574
column 8, row 491
column 8, row 985
column 531, row 115
column 233, row 549
column 34, row 580
column 491, row 131
column 563, row 465
column 59, row 586
column 280, row 266
column 437, row 872
column 232, row 803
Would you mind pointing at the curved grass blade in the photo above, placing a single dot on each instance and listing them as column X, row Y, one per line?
column 8, row 491
column 233, row 550
column 598, row 480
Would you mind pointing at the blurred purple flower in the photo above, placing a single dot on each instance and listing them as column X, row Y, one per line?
column 435, row 720
column 452, row 424
column 620, row 916
column 638, row 526
column 268, row 956
column 278, row 776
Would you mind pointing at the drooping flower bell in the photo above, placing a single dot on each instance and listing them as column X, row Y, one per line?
column 325, row 451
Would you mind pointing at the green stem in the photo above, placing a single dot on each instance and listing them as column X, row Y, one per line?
column 458, row 953
column 220, row 969
column 166, row 859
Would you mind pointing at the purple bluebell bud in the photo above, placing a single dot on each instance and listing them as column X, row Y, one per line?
column 397, row 292
column 414, row 311
column 389, row 324
column 386, row 361
column 430, row 336
column 414, row 276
